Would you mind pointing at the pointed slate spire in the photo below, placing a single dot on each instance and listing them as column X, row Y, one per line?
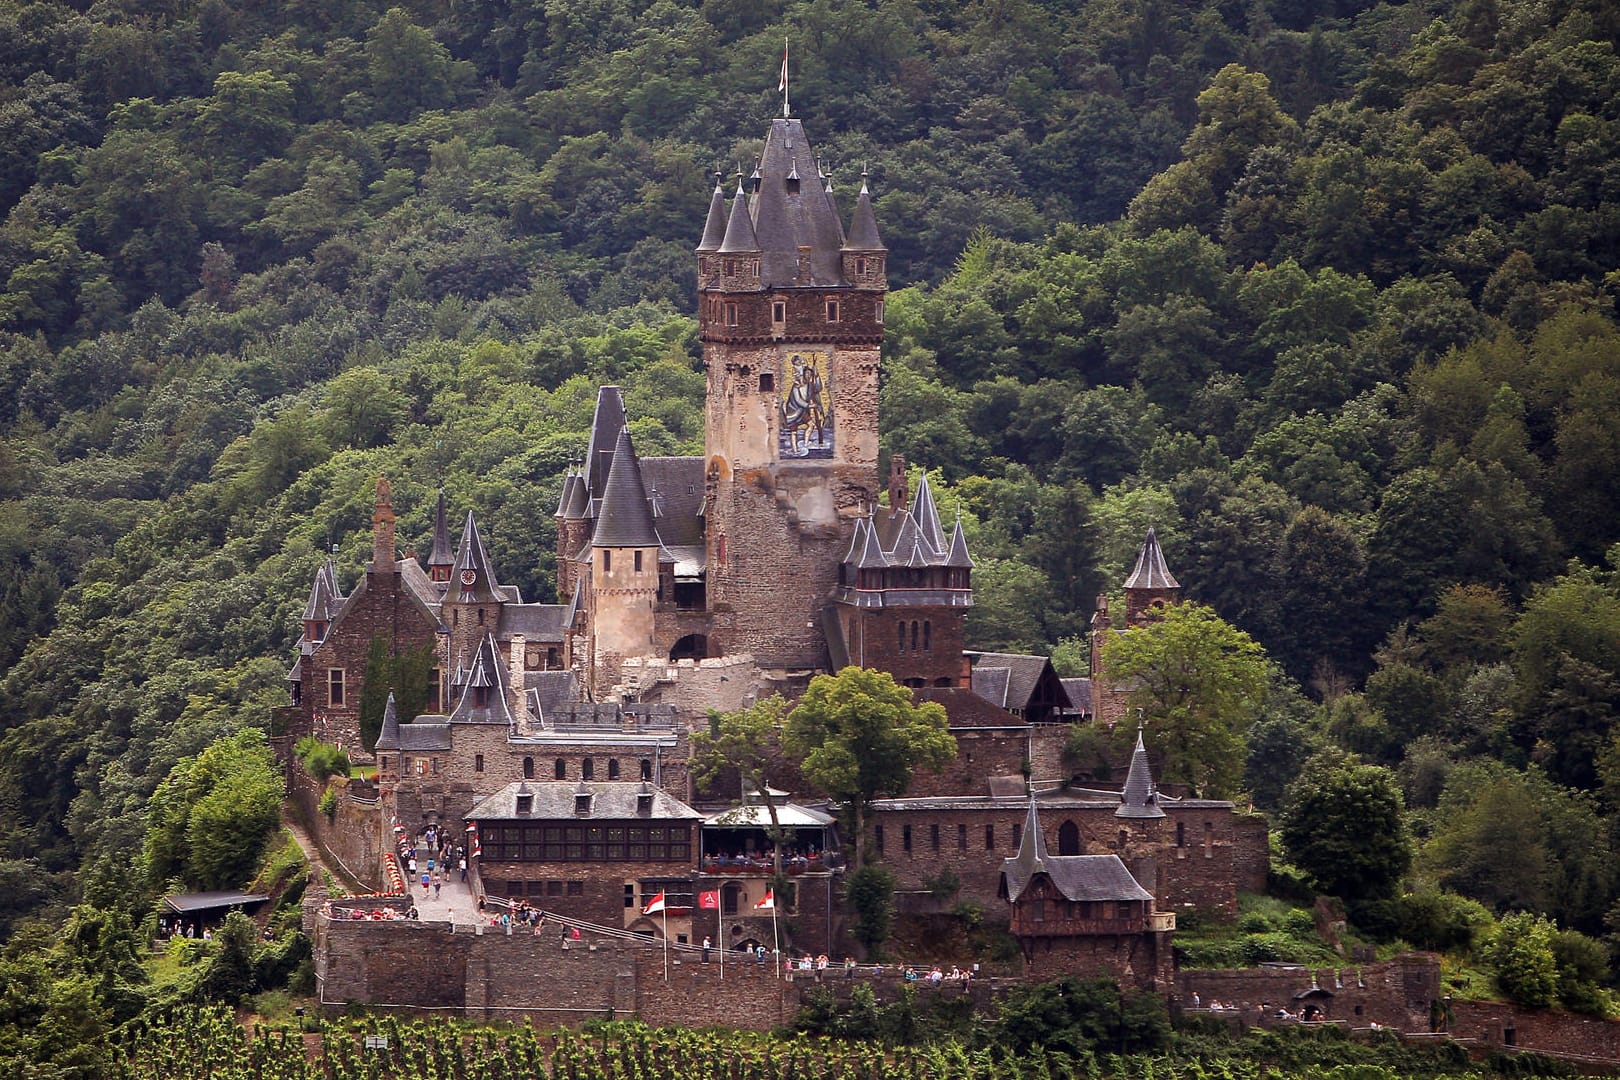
column 863, row 229
column 606, row 426
column 922, row 508
column 442, row 554
column 788, row 219
column 714, row 229
column 740, row 237
column 579, row 500
column 388, row 738
column 1151, row 572
column 959, row 557
column 323, row 595
column 1031, row 858
column 475, row 580
column 565, row 496
column 871, row 555
column 1140, row 799
column 625, row 518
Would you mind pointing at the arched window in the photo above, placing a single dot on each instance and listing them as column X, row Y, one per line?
column 900, row 635
column 528, row 768
column 928, row 636
column 1124, row 838
column 561, row 769
column 587, row 769
column 646, row 768
column 1068, row 838
column 613, row 768
column 913, row 635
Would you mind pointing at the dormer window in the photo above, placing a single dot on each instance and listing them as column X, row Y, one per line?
column 582, row 804
column 644, row 804
column 525, row 805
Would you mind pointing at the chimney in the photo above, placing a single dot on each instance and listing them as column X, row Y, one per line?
column 897, row 483
column 382, row 529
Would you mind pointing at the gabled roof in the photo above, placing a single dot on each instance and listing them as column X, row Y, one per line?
column 676, row 486
column 441, row 554
column 1024, row 674
column 472, row 556
column 485, row 676
column 606, row 427
column 625, row 517
column 714, row 229
column 863, row 230
column 1151, row 572
column 324, row 598
column 1079, row 691
column 1140, row 799
column 536, row 622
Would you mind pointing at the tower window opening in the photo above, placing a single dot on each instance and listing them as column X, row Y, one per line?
column 607, row 561
column 767, row 382
column 732, row 318
column 638, row 560
column 560, row 769
column 900, row 635
column 832, row 311
column 928, row 636
column 528, row 768
column 879, row 312
column 778, row 311
column 913, row 635
column 587, row 769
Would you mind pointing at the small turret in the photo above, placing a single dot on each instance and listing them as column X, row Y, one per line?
column 442, row 559
column 1150, row 585
column 714, row 229
column 1140, row 799
column 864, row 256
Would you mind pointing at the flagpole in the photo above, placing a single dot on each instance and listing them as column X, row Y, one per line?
column 786, row 112
column 776, row 936
column 666, row 940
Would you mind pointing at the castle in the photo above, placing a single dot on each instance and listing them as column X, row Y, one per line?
column 697, row 583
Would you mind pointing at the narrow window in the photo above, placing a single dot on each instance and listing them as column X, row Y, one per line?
column 528, row 768
column 961, row 838
column 933, row 837
column 880, row 312
column 638, row 561
column 613, row 768
column 560, row 769
column 607, row 561
column 731, row 315
column 1018, row 835
column 832, row 311
column 860, row 265
column 434, row 766
column 900, row 635
column 877, row 838
column 778, row 312
column 1209, row 839
column 1181, row 834
column 629, row 895
column 455, row 617
column 646, row 768
column 1124, row 838
column 913, row 635
column 478, row 763
column 587, row 770
column 480, row 616
column 334, row 686
column 989, row 838
column 905, row 838
column 928, row 637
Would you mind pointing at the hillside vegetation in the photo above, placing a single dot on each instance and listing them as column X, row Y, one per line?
column 1322, row 289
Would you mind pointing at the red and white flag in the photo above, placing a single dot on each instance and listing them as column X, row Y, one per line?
column 781, row 86
column 709, row 899
column 769, row 903
column 655, row 905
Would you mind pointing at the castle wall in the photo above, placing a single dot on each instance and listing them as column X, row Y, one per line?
column 874, row 637
column 597, row 892
column 353, row 837
column 1395, row 994
column 1140, row 961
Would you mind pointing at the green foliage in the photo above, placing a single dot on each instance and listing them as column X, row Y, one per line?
column 321, row 760
column 1442, row 922
column 1080, row 1016
column 869, row 892
column 1199, row 682
column 210, row 816
column 1521, row 959
column 1342, row 823
column 328, row 804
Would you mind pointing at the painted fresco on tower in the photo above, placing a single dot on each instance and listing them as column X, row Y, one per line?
column 807, row 413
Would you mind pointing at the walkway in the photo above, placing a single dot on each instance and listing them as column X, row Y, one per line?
column 455, row 903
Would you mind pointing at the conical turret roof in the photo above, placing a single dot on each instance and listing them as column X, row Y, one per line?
column 625, row 518
column 606, row 427
column 863, row 229
column 1031, row 858
column 959, row 557
column 791, row 213
column 442, row 554
column 927, row 517
column 1140, row 799
column 714, row 229
column 740, row 237
column 388, row 738
column 323, row 595
column 566, row 495
column 1151, row 572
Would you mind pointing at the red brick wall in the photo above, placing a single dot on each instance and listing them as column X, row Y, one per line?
column 873, row 642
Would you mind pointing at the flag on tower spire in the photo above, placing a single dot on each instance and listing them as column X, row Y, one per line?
column 782, row 83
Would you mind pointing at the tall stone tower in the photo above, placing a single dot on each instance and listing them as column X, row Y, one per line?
column 791, row 316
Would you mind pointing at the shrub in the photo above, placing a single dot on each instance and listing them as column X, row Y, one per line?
column 1520, row 955
column 329, row 804
column 321, row 760
column 1441, row 921
column 1299, row 923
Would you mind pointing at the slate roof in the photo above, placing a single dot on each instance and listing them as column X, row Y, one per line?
column 791, row 209
column 423, row 735
column 714, row 229
column 625, row 518
column 1079, row 691
column 1077, row 877
column 611, row 800
column 863, row 230
column 536, row 622
column 547, row 690
column 606, row 426
column 675, row 490
column 1140, row 799
column 441, row 554
column 910, row 537
column 388, row 737
column 472, row 556
column 740, row 238
column 1151, row 572
column 324, row 597
column 486, row 671
column 1013, row 689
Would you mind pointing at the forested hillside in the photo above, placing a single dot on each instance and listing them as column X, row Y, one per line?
column 1321, row 289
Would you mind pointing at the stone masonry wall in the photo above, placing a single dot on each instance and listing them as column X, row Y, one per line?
column 354, row 836
column 1396, row 993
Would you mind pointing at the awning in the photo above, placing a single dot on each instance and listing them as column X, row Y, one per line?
column 193, row 902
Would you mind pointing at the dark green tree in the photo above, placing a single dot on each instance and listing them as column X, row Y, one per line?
column 1343, row 824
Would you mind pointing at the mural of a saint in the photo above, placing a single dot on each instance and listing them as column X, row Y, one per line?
column 807, row 430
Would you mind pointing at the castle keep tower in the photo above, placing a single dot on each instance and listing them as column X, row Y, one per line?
column 791, row 317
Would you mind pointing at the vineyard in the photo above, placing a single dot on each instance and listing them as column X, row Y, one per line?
column 209, row 1044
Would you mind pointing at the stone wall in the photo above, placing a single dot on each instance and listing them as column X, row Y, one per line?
column 354, row 836
column 1395, row 994
column 728, row 683
column 1142, row 961
column 1500, row 1024
column 588, row 891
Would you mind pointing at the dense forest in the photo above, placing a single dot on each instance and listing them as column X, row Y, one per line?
column 1321, row 289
